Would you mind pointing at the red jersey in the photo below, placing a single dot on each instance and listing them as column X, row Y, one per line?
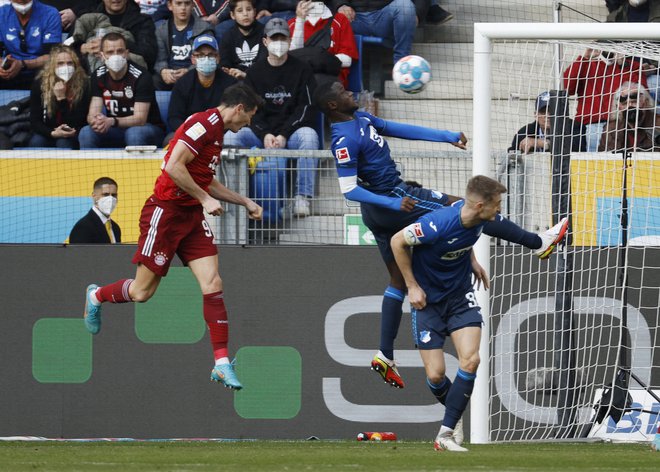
column 342, row 39
column 202, row 133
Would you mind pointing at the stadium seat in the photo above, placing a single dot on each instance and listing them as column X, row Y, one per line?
column 163, row 100
column 376, row 62
column 7, row 96
column 355, row 72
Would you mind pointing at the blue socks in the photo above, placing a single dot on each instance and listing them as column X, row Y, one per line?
column 509, row 231
column 390, row 320
column 440, row 390
column 458, row 398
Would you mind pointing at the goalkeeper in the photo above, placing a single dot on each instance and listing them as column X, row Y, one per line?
column 367, row 174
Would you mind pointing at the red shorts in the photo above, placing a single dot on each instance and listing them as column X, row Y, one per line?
column 167, row 229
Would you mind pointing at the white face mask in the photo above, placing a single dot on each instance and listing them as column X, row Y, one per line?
column 106, row 204
column 115, row 62
column 64, row 72
column 278, row 48
column 22, row 9
column 315, row 11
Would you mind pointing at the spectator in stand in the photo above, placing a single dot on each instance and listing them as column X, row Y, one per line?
column 121, row 14
column 150, row 7
column 633, row 124
column 198, row 88
column 127, row 93
column 59, row 101
column 593, row 77
column 28, row 30
column 242, row 45
column 69, row 10
column 534, row 136
column 437, row 15
column 96, row 227
column 174, row 38
column 323, row 34
column 286, row 120
column 395, row 20
column 633, row 11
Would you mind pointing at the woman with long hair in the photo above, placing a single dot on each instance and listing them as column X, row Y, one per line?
column 59, row 100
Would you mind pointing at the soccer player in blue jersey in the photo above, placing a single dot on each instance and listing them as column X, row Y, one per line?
column 367, row 174
column 438, row 277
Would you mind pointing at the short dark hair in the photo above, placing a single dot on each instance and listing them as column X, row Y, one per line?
column 112, row 36
column 234, row 3
column 323, row 94
column 485, row 187
column 100, row 182
column 241, row 94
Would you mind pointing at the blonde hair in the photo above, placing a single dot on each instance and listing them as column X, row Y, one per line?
column 75, row 87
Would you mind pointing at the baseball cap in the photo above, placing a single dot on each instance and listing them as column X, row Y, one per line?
column 542, row 101
column 276, row 26
column 205, row 40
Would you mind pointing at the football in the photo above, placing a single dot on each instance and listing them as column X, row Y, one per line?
column 411, row 74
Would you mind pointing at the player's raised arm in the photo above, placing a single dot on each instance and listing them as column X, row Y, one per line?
column 400, row 245
column 414, row 132
column 178, row 172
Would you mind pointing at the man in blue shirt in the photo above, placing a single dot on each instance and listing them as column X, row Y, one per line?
column 367, row 174
column 28, row 30
column 438, row 278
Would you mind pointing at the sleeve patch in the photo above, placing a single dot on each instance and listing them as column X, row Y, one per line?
column 195, row 131
column 342, row 155
column 412, row 234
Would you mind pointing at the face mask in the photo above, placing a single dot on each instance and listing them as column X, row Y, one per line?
column 315, row 12
column 22, row 9
column 106, row 204
column 64, row 72
column 115, row 62
column 206, row 65
column 278, row 48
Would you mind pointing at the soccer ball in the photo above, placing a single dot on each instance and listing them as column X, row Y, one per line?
column 411, row 74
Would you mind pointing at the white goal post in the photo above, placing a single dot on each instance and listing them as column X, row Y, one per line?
column 553, row 36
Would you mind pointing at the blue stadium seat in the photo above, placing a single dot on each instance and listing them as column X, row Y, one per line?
column 163, row 100
column 320, row 128
column 7, row 96
column 355, row 72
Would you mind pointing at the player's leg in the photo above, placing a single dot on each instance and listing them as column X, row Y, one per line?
column 205, row 271
column 390, row 320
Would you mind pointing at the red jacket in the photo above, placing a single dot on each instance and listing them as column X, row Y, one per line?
column 595, row 82
column 342, row 40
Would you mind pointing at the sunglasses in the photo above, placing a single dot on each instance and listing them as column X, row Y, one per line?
column 21, row 36
column 625, row 98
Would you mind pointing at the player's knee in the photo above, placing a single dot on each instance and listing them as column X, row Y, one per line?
column 141, row 295
column 436, row 378
column 470, row 364
column 212, row 285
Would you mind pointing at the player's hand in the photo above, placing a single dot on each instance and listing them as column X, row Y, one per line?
column 417, row 297
column 255, row 212
column 462, row 142
column 212, row 206
column 408, row 204
column 480, row 275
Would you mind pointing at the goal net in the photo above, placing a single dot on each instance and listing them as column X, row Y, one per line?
column 573, row 341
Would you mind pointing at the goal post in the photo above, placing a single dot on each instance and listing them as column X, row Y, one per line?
column 512, row 84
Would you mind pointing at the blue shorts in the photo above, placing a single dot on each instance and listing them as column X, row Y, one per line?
column 385, row 223
column 438, row 320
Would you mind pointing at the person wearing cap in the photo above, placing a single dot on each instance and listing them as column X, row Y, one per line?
column 174, row 38
column 533, row 137
column 199, row 88
column 287, row 118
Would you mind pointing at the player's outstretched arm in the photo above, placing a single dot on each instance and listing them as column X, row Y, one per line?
column 178, row 172
column 401, row 248
column 352, row 191
column 219, row 191
column 414, row 132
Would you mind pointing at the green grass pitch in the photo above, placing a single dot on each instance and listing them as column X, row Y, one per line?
column 333, row 456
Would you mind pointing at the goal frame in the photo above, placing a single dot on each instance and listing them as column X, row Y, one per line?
column 484, row 35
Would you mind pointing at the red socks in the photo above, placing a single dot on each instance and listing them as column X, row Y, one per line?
column 215, row 315
column 115, row 293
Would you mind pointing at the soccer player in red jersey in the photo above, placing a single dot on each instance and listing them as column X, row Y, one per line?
column 172, row 222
